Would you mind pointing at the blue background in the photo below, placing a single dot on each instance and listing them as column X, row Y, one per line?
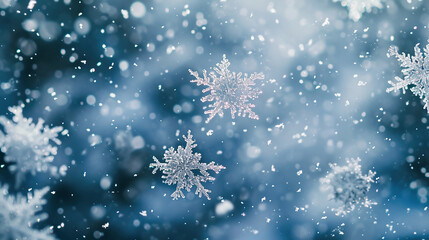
column 324, row 89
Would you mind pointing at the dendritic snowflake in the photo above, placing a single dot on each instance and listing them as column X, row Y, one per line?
column 183, row 167
column 347, row 185
column 26, row 144
column 20, row 216
column 357, row 7
column 415, row 70
column 228, row 90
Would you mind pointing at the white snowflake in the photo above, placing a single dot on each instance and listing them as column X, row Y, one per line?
column 347, row 185
column 181, row 167
column 27, row 145
column 20, row 214
column 358, row 7
column 415, row 70
column 228, row 90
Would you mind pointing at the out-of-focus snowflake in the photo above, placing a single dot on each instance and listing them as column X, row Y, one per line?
column 128, row 151
column 415, row 70
column 181, row 167
column 228, row 90
column 347, row 185
column 20, row 215
column 125, row 142
column 358, row 7
column 27, row 145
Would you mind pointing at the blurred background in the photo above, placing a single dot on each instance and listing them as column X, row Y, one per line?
column 115, row 74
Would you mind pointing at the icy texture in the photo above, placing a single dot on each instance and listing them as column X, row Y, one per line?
column 19, row 214
column 26, row 144
column 347, row 185
column 181, row 167
column 228, row 90
column 415, row 70
column 358, row 7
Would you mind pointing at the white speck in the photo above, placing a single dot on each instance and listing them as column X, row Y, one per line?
column 326, row 22
column 360, row 83
column 124, row 13
column 106, row 225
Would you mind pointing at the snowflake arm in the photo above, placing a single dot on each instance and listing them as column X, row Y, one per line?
column 181, row 168
column 19, row 214
column 27, row 144
column 348, row 186
column 415, row 71
column 357, row 7
column 228, row 90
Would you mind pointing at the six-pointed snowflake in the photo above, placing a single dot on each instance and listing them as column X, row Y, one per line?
column 20, row 216
column 358, row 7
column 416, row 72
column 26, row 144
column 183, row 167
column 228, row 90
column 347, row 185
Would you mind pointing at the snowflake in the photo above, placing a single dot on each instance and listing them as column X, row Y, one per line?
column 181, row 167
column 358, row 7
column 20, row 214
column 348, row 186
column 27, row 144
column 415, row 69
column 228, row 90
column 126, row 143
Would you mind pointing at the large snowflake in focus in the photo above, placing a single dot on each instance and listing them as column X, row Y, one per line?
column 183, row 167
column 348, row 186
column 20, row 216
column 416, row 72
column 358, row 7
column 27, row 145
column 228, row 90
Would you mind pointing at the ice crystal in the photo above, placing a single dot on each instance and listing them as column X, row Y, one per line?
column 27, row 145
column 415, row 70
column 228, row 90
column 348, row 186
column 357, row 7
column 183, row 167
column 20, row 216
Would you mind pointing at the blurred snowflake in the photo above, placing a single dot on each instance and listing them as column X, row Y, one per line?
column 228, row 90
column 27, row 144
column 19, row 214
column 415, row 69
column 181, row 167
column 358, row 7
column 348, row 186
column 126, row 143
